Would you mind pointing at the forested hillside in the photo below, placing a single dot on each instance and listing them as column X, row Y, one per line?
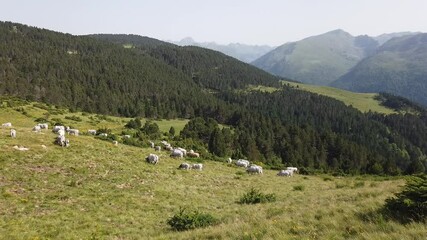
column 209, row 69
column 142, row 77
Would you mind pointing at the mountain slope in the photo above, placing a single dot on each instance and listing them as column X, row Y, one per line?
column 243, row 52
column 319, row 59
column 399, row 67
column 209, row 69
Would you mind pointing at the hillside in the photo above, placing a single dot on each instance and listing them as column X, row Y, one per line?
column 163, row 81
column 243, row 52
column 207, row 68
column 94, row 189
column 362, row 101
column 319, row 59
column 398, row 68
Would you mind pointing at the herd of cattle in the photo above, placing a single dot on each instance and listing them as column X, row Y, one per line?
column 177, row 152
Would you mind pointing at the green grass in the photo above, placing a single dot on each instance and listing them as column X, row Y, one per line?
column 95, row 190
column 362, row 101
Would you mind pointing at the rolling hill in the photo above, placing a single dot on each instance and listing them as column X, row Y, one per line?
column 319, row 59
column 95, row 190
column 398, row 67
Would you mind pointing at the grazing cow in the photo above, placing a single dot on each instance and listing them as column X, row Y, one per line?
column 103, row 135
column 74, row 132
column 126, row 136
column 36, row 128
column 115, row 143
column 287, row 173
column 177, row 153
column 91, row 131
column 168, row 148
column 197, row 166
column 43, row 125
column 57, row 128
column 152, row 158
column 8, row 124
column 164, row 143
column 184, row 166
column 242, row 163
column 193, row 154
column 293, row 169
column 184, row 152
column 151, row 144
column 229, row 160
column 61, row 141
column 158, row 148
column 13, row 133
column 254, row 169
column 61, row 132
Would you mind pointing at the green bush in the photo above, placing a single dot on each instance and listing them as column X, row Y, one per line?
column 190, row 220
column 74, row 118
column 254, row 196
column 299, row 188
column 410, row 204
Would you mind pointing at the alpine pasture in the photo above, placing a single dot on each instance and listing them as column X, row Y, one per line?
column 96, row 190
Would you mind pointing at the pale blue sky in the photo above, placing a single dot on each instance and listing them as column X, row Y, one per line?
column 272, row 22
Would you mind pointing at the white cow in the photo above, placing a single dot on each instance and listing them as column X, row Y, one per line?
column 152, row 158
column 254, row 169
column 115, row 143
column 91, row 131
column 103, row 135
column 57, row 128
column 168, row 148
column 74, row 132
column 158, row 148
column 177, row 153
column 43, row 125
column 8, row 124
column 242, row 163
column 287, row 173
column 184, row 166
column 229, row 160
column 62, row 141
column 293, row 169
column 151, row 144
column 126, row 136
column 13, row 133
column 36, row 128
column 61, row 132
column 184, row 152
column 197, row 166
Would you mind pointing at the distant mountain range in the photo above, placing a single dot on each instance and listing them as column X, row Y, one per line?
column 319, row 59
column 398, row 67
column 393, row 62
column 243, row 52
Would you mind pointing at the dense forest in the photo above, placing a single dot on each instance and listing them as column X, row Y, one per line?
column 153, row 79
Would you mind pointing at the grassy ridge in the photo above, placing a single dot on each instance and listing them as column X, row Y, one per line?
column 94, row 189
column 362, row 101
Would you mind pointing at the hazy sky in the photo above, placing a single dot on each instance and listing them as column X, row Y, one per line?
column 272, row 22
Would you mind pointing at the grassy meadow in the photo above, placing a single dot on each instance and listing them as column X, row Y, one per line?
column 363, row 101
column 95, row 190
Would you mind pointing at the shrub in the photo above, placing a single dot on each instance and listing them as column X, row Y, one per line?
column 299, row 188
column 40, row 120
column 74, row 118
column 184, row 220
column 254, row 196
column 410, row 204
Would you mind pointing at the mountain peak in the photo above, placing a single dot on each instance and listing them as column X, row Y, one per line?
column 187, row 41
